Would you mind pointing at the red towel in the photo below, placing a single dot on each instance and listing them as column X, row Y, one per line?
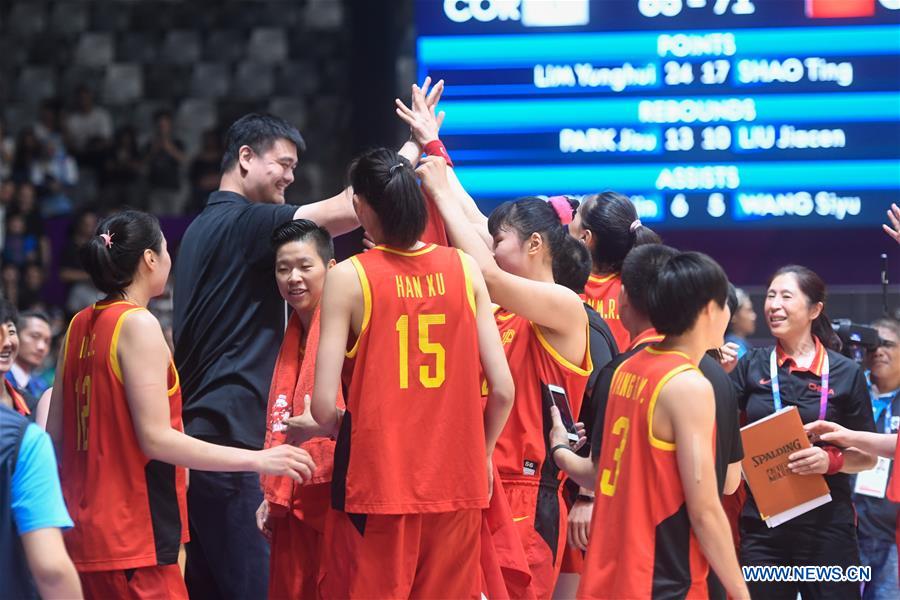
column 294, row 378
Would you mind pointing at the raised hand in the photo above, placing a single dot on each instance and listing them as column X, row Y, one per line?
column 424, row 123
column 894, row 217
column 432, row 171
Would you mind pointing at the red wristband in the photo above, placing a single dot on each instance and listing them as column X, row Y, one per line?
column 437, row 148
column 835, row 460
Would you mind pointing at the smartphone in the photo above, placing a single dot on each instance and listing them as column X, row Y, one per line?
column 561, row 400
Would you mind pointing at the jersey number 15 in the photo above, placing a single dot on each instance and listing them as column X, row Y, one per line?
column 426, row 347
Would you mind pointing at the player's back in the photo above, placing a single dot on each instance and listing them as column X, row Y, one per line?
column 651, row 551
column 129, row 511
column 601, row 292
column 412, row 440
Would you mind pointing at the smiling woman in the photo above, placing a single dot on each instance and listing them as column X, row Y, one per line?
column 805, row 370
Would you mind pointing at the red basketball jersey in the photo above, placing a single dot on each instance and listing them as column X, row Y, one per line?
column 651, row 552
column 521, row 450
column 412, row 440
column 129, row 511
column 601, row 292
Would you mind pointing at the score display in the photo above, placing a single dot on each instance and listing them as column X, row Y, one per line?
column 708, row 113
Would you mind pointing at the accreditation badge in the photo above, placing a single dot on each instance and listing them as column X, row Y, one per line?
column 874, row 481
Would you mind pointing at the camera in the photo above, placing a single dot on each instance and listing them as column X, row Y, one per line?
column 856, row 339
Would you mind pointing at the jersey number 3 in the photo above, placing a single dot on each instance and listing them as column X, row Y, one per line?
column 610, row 477
column 426, row 347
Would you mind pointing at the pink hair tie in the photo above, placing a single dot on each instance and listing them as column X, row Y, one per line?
column 635, row 224
column 562, row 207
column 107, row 238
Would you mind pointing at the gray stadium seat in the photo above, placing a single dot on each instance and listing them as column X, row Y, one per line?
column 26, row 19
column 292, row 110
column 137, row 46
column 124, row 83
column 226, row 45
column 73, row 76
column 165, row 82
column 69, row 17
column 210, row 80
column 36, row 83
column 267, row 45
column 252, row 80
column 181, row 47
column 324, row 14
column 296, row 78
column 94, row 49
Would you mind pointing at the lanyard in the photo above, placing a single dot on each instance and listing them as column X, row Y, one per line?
column 776, row 389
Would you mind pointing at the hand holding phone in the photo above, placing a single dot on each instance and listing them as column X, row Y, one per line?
column 561, row 401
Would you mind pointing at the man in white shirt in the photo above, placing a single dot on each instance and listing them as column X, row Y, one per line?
column 88, row 123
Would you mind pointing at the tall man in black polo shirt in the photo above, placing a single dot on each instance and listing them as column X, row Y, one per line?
column 229, row 321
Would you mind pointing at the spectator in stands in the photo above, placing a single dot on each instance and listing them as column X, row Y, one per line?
column 164, row 159
column 11, row 278
column 876, row 515
column 28, row 151
column 55, row 199
column 34, row 345
column 20, row 247
column 26, row 206
column 204, row 172
column 7, row 198
column 7, row 151
column 89, row 127
column 121, row 170
column 31, row 291
column 81, row 290
column 32, row 511
column 54, row 162
column 48, row 129
column 742, row 324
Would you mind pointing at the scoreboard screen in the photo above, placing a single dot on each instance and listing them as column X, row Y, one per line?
column 707, row 113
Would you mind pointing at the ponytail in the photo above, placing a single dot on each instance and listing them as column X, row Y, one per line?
column 387, row 182
column 111, row 256
column 615, row 228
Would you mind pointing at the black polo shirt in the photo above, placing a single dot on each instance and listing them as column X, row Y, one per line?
column 728, row 432
column 848, row 405
column 229, row 318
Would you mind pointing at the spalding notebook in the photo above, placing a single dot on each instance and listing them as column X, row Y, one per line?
column 780, row 494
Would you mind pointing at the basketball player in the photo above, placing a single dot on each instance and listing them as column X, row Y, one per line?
column 116, row 418
column 293, row 517
column 544, row 329
column 655, row 440
column 413, row 456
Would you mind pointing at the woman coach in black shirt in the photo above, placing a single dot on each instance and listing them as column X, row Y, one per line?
column 804, row 370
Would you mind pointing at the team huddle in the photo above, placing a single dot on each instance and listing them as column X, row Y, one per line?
column 439, row 402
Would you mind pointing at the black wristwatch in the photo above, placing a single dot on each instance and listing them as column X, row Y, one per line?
column 584, row 498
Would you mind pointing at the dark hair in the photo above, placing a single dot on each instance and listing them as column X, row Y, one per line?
column 812, row 286
column 8, row 313
column 639, row 271
column 572, row 265
column 387, row 182
column 300, row 230
column 530, row 215
column 112, row 269
column 34, row 314
column 685, row 284
column 260, row 132
column 608, row 216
